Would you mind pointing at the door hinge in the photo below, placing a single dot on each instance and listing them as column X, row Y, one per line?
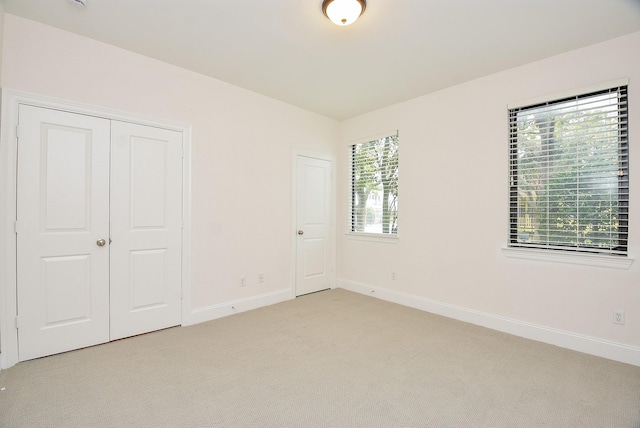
column 17, row 132
column 17, row 323
column 15, row 226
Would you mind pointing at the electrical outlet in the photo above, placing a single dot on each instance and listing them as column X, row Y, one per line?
column 243, row 282
column 261, row 278
column 394, row 275
column 618, row 317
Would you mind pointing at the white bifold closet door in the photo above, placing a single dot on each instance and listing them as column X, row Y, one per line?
column 99, row 228
column 146, row 229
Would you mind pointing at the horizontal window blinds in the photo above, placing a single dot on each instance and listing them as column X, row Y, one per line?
column 374, row 186
column 569, row 173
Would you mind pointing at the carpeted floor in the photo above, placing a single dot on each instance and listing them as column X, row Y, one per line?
column 330, row 359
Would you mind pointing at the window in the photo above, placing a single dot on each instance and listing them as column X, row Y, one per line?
column 374, row 186
column 569, row 174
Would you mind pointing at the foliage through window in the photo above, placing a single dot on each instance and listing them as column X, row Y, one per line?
column 374, row 186
column 569, row 174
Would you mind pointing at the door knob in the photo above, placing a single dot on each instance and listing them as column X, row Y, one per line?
column 101, row 242
column 300, row 232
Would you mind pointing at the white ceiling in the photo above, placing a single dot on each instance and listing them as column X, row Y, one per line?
column 288, row 50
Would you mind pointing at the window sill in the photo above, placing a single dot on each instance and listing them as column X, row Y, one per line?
column 613, row 262
column 373, row 237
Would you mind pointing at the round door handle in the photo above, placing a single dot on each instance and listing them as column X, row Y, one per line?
column 300, row 232
column 101, row 242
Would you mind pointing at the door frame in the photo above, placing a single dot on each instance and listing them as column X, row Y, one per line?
column 294, row 213
column 11, row 101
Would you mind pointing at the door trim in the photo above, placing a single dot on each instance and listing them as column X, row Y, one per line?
column 293, row 231
column 11, row 100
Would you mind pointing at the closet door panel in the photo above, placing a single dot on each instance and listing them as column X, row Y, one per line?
column 62, row 216
column 146, row 229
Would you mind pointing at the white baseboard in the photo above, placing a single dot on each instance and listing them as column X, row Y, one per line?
column 210, row 313
column 577, row 342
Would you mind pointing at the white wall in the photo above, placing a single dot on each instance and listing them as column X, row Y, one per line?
column 1, row 34
column 453, row 217
column 1, row 43
column 242, row 148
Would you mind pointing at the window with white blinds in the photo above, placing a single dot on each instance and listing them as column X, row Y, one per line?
column 374, row 186
column 569, row 174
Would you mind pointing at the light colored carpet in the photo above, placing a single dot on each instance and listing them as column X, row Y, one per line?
column 330, row 359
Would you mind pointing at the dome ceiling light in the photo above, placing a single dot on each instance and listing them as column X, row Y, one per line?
column 343, row 12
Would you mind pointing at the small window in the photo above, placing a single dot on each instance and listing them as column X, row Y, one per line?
column 569, row 174
column 374, row 186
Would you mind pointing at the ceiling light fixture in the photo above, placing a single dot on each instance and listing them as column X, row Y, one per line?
column 343, row 12
column 78, row 3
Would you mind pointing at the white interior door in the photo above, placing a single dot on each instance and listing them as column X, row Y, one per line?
column 146, row 229
column 314, row 243
column 62, row 212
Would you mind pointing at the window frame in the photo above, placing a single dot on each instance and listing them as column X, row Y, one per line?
column 547, row 250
